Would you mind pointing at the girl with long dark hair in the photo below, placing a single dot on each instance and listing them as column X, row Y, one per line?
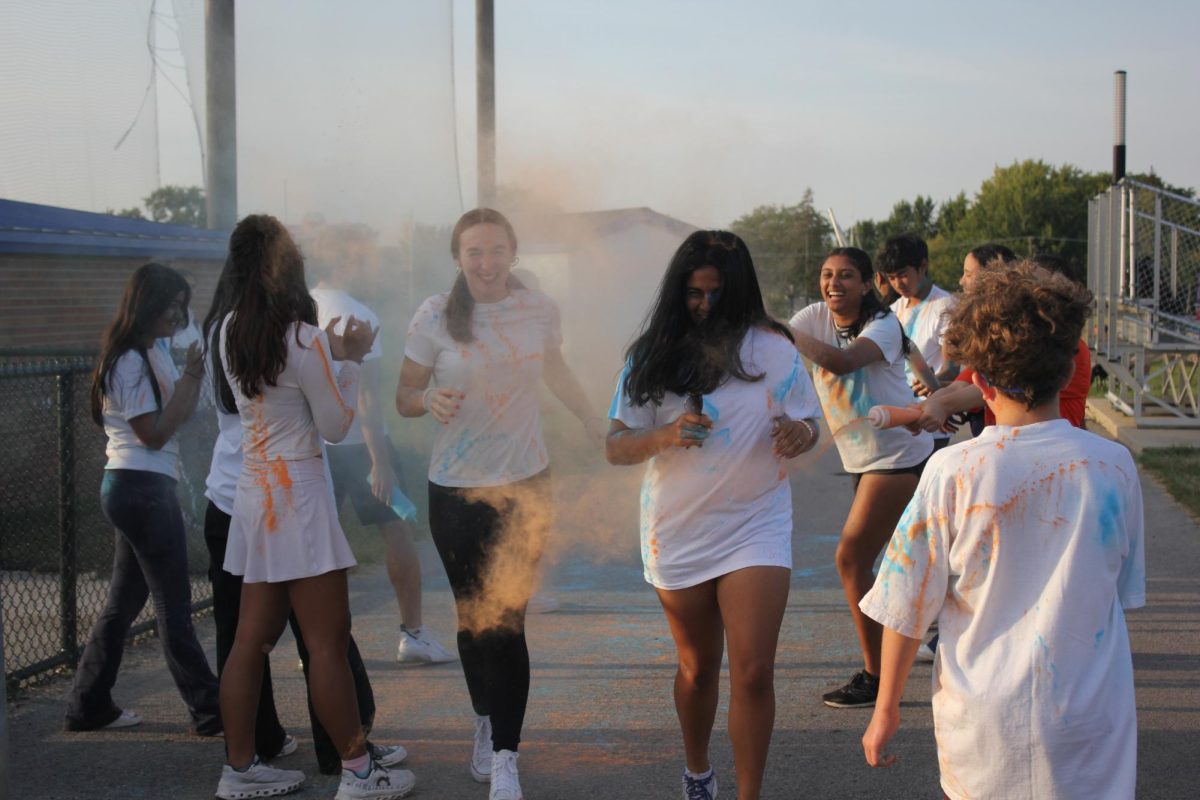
column 488, row 344
column 857, row 347
column 141, row 401
column 271, row 740
column 716, row 398
column 284, row 538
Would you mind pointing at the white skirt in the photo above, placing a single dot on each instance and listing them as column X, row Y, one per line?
column 284, row 524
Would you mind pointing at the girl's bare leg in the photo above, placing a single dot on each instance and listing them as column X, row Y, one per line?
column 752, row 603
column 695, row 620
column 877, row 506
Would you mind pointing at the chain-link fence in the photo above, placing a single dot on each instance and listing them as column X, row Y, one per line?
column 56, row 547
column 1144, row 269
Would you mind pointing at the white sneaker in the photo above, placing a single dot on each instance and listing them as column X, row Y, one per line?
column 381, row 783
column 258, row 780
column 290, row 745
column 700, row 788
column 541, row 604
column 928, row 650
column 387, row 755
column 421, row 648
column 505, row 785
column 127, row 720
column 481, row 756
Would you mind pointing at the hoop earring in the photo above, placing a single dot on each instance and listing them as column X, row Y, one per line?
column 516, row 260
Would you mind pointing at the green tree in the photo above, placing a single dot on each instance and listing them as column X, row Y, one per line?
column 922, row 216
column 1030, row 206
column 177, row 205
column 788, row 244
column 129, row 213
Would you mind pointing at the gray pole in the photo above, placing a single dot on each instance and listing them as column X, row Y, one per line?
column 485, row 101
column 221, row 161
column 1118, row 125
column 5, row 769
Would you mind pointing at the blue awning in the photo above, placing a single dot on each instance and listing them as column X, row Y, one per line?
column 49, row 230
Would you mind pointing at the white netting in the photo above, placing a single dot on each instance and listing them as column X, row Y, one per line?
column 344, row 109
column 75, row 76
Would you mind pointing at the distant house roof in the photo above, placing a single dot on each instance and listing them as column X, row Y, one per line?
column 541, row 230
column 38, row 229
column 620, row 218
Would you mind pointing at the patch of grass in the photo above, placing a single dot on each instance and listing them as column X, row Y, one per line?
column 1178, row 469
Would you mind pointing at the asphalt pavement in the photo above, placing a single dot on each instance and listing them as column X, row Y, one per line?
column 601, row 722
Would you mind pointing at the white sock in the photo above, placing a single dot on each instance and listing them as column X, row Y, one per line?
column 698, row 775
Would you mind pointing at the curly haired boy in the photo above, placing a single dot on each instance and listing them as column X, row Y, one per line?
column 1026, row 545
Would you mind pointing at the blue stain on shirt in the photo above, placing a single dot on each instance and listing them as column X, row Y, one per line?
column 856, row 393
column 1110, row 517
column 710, row 410
column 616, row 401
column 781, row 390
column 910, row 327
column 1099, row 636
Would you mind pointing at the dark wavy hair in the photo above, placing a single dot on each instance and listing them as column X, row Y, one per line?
column 674, row 354
column 229, row 288
column 903, row 250
column 148, row 293
column 872, row 307
column 987, row 253
column 461, row 304
column 271, row 296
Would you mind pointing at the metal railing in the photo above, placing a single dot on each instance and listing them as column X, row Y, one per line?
column 1144, row 270
column 56, row 547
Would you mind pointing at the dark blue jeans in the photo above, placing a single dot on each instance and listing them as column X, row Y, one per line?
column 150, row 560
column 269, row 734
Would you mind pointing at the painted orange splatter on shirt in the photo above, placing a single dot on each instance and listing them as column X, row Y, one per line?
column 326, row 363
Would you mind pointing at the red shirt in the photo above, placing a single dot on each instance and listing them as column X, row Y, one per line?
column 1071, row 400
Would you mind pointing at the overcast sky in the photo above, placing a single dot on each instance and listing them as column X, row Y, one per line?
column 704, row 110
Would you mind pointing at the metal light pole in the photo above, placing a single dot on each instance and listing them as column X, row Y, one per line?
column 1118, row 125
column 221, row 133
column 485, row 101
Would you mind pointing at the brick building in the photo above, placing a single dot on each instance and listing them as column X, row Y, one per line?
column 62, row 271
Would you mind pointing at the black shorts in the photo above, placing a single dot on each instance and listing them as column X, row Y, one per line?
column 916, row 469
column 350, row 466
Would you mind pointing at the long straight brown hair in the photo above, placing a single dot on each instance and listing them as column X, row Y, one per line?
column 149, row 291
column 272, row 296
column 461, row 304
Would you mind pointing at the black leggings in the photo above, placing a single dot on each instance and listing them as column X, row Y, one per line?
column 490, row 540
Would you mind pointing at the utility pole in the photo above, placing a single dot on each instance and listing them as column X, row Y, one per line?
column 221, row 131
column 1118, row 125
column 485, row 101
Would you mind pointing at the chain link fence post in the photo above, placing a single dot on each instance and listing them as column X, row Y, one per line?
column 68, row 565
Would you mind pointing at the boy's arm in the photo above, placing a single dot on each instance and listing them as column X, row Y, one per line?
column 383, row 478
column 898, row 654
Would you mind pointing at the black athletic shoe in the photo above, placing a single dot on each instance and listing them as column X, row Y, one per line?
column 860, row 692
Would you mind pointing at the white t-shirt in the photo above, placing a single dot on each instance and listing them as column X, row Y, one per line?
column 221, row 484
column 924, row 324
column 707, row 511
column 310, row 401
column 1025, row 544
column 848, row 398
column 129, row 395
column 496, row 436
column 337, row 303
